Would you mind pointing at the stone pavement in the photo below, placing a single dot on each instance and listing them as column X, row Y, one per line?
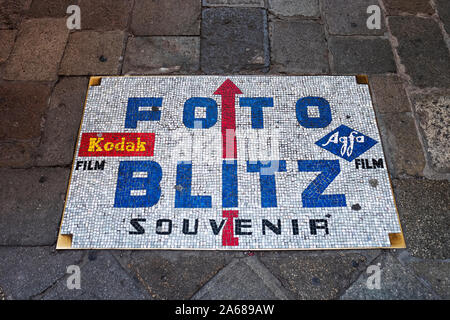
column 44, row 70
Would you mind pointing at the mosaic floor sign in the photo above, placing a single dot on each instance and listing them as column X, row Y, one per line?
column 239, row 162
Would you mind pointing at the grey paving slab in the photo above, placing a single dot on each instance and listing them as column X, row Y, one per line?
column 443, row 10
column 368, row 55
column 166, row 18
column 105, row 14
column 40, row 9
column 436, row 274
column 322, row 275
column 176, row 274
column 7, row 38
column 401, row 144
column 26, row 272
column 38, row 50
column 423, row 207
column 350, row 17
column 397, row 7
column 433, row 114
column 161, row 55
column 388, row 94
column 101, row 277
column 299, row 47
column 93, row 53
column 11, row 12
column 32, row 203
column 396, row 283
column 233, row 3
column 291, row 8
column 243, row 279
column 22, row 105
column 234, row 40
column 62, row 121
column 422, row 50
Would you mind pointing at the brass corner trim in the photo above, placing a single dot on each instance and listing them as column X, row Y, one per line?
column 397, row 240
column 64, row 241
column 362, row 79
column 95, row 81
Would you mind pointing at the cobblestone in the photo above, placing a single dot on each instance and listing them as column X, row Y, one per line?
column 299, row 47
column 166, row 18
column 291, row 8
column 361, row 55
column 38, row 50
column 234, row 40
column 350, row 17
column 160, row 55
column 93, row 53
column 420, row 38
column 32, row 202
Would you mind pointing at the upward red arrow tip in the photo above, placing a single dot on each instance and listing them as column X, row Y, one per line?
column 228, row 87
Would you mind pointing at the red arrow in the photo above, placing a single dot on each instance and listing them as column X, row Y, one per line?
column 228, row 90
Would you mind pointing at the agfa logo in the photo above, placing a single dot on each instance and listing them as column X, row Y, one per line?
column 346, row 143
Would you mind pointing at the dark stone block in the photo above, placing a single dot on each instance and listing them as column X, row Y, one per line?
column 362, row 56
column 234, row 40
column 422, row 51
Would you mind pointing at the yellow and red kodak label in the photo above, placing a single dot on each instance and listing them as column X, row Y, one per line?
column 117, row 145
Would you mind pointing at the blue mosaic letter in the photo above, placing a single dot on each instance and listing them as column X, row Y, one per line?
column 189, row 119
column 305, row 120
column 267, row 171
column 134, row 115
column 183, row 197
column 127, row 183
column 312, row 197
column 229, row 184
column 257, row 112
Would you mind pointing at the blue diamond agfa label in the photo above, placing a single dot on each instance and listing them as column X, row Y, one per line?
column 229, row 163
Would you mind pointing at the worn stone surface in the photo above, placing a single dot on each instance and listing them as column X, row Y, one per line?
column 243, row 279
column 314, row 276
column 163, row 272
column 395, row 7
column 93, row 53
column 422, row 51
column 62, row 121
column 102, row 277
column 38, row 50
column 436, row 274
column 233, row 40
column 7, row 38
column 22, row 105
column 350, row 17
column 159, row 55
column 18, row 154
column 403, row 150
column 234, row 3
column 105, row 14
column 423, row 207
column 361, row 55
column 39, row 8
column 443, row 10
column 27, row 272
column 388, row 94
column 396, row 283
column 299, row 47
column 11, row 12
column 290, row 8
column 32, row 204
column 166, row 18
column 433, row 113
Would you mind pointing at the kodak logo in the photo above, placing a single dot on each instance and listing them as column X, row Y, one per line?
column 117, row 145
